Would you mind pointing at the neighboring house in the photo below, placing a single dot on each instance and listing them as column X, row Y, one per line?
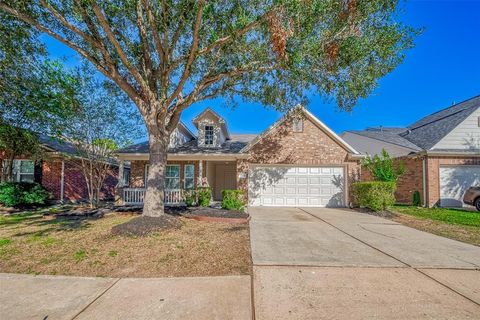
column 60, row 173
column 298, row 161
column 441, row 152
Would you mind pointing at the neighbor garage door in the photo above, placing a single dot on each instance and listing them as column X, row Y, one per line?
column 296, row 186
column 454, row 181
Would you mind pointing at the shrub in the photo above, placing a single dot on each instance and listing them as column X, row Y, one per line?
column 22, row 193
column 204, row 195
column 190, row 197
column 375, row 195
column 383, row 168
column 233, row 199
column 416, row 199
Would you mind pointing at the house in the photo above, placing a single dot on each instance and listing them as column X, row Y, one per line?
column 441, row 152
column 59, row 172
column 298, row 161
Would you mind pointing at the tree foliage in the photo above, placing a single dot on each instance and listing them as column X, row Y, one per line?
column 168, row 54
column 35, row 93
column 384, row 168
column 104, row 121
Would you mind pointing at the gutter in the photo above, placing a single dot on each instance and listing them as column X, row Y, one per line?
column 186, row 156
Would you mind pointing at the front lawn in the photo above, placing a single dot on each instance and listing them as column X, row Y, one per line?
column 456, row 224
column 33, row 243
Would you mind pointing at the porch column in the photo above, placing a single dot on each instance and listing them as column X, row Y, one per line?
column 121, row 164
column 120, row 184
column 200, row 169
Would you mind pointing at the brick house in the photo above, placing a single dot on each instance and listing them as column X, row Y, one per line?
column 59, row 172
column 441, row 153
column 298, row 161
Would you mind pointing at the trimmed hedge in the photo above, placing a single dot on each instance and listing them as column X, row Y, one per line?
column 374, row 195
column 22, row 193
column 233, row 199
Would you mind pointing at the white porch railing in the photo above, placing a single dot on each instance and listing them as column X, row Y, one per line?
column 136, row 196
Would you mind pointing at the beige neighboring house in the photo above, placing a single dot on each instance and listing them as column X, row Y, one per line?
column 298, row 161
column 441, row 152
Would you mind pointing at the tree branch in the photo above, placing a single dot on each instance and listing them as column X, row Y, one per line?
column 192, row 55
column 108, row 31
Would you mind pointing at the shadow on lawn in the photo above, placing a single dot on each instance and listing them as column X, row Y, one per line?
column 49, row 225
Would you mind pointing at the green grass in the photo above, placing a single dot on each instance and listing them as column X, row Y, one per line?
column 80, row 255
column 4, row 241
column 450, row 216
column 18, row 217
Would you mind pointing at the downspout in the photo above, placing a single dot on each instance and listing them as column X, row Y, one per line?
column 62, row 181
column 424, row 181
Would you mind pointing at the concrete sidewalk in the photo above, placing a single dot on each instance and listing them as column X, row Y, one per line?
column 56, row 297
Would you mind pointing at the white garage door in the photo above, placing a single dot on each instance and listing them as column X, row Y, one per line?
column 454, row 181
column 296, row 186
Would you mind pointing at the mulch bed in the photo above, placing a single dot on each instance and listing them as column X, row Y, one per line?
column 187, row 212
column 142, row 226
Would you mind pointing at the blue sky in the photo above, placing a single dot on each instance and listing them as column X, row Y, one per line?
column 443, row 68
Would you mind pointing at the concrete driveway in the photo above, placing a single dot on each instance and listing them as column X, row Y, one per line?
column 318, row 263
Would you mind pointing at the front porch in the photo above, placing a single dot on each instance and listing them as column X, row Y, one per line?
column 179, row 176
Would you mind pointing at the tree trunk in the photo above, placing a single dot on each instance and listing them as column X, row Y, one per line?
column 153, row 204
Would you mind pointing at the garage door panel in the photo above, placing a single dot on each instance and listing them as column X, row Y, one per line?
column 454, row 181
column 296, row 186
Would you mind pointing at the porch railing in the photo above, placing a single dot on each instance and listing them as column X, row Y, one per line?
column 136, row 196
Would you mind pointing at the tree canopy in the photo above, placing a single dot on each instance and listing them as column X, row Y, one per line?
column 168, row 54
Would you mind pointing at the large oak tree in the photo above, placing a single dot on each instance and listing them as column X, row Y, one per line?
column 168, row 54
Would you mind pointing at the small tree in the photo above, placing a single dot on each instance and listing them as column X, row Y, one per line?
column 383, row 168
column 105, row 122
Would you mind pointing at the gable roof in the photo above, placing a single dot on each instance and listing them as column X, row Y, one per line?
column 55, row 145
column 232, row 146
column 428, row 131
column 314, row 119
column 387, row 135
column 216, row 115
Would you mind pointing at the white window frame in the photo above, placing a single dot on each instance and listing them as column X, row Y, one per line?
column 185, row 177
column 145, row 175
column 205, row 134
column 17, row 165
column 166, row 177
column 173, row 177
column 297, row 125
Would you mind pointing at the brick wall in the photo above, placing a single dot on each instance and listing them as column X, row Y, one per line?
column 410, row 181
column 75, row 187
column 310, row 147
column 433, row 169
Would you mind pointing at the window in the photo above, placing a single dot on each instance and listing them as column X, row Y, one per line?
column 297, row 125
column 208, row 135
column 23, row 170
column 189, row 176
column 172, row 177
column 146, row 175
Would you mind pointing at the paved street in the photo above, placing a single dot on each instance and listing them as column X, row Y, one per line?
column 309, row 263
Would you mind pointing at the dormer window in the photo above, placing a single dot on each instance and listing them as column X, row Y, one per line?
column 208, row 135
column 297, row 125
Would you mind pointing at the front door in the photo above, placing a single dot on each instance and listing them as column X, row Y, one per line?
column 225, row 178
